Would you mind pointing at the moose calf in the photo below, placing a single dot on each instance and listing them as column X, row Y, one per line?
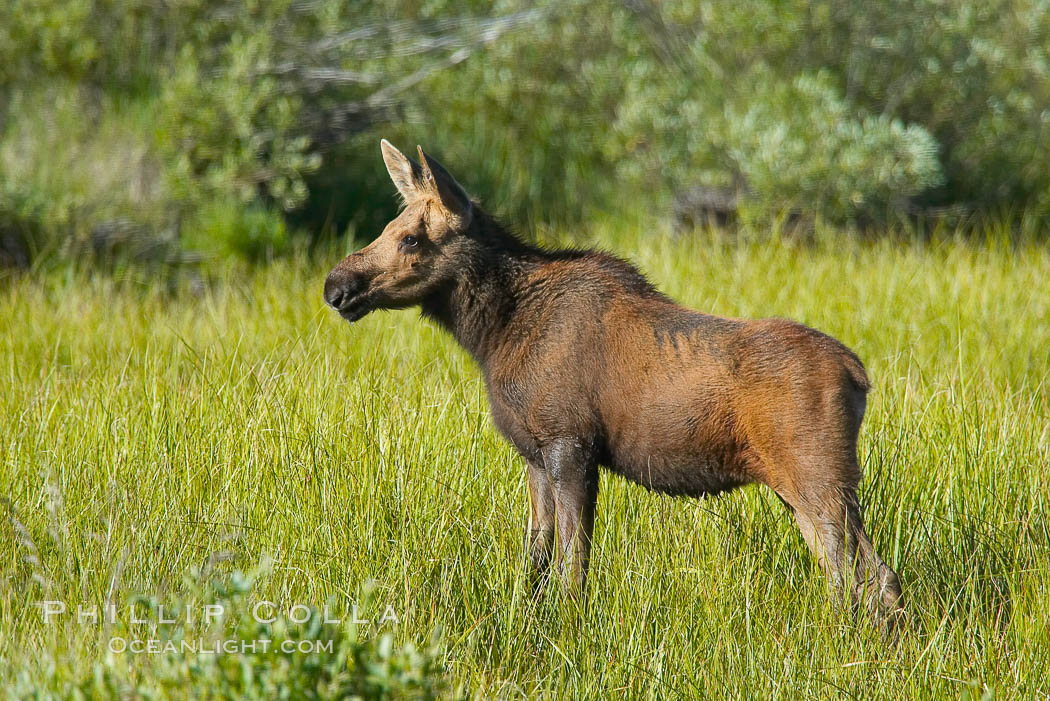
column 587, row 364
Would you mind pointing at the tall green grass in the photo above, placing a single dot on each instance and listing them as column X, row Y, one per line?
column 145, row 433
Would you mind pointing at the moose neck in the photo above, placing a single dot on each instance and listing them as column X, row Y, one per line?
column 478, row 306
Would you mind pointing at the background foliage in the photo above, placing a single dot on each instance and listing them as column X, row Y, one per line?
column 147, row 113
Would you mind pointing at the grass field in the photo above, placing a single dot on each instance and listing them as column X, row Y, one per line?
column 144, row 434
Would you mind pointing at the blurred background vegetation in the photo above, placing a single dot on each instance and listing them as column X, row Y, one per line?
column 171, row 130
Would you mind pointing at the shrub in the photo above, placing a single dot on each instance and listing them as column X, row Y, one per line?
column 227, row 229
column 838, row 108
column 841, row 108
column 357, row 667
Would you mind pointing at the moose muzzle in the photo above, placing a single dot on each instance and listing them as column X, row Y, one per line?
column 346, row 291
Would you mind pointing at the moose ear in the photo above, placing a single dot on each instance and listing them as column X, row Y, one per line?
column 406, row 173
column 441, row 183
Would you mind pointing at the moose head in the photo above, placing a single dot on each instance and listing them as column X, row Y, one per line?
column 417, row 252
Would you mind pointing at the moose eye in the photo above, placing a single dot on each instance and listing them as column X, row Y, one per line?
column 410, row 241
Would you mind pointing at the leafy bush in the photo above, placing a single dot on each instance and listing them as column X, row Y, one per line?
column 229, row 230
column 227, row 128
column 838, row 108
column 80, row 164
column 841, row 108
column 975, row 75
column 310, row 660
column 853, row 165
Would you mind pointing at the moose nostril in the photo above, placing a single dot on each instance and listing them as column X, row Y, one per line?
column 336, row 288
column 342, row 285
column 333, row 295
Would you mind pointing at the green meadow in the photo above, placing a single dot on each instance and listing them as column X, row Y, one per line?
column 175, row 439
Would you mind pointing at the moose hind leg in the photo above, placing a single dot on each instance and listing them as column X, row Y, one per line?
column 875, row 585
column 831, row 524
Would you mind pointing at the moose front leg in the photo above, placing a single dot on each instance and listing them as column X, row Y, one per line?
column 541, row 524
column 573, row 475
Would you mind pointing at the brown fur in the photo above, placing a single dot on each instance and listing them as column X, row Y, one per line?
column 587, row 364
